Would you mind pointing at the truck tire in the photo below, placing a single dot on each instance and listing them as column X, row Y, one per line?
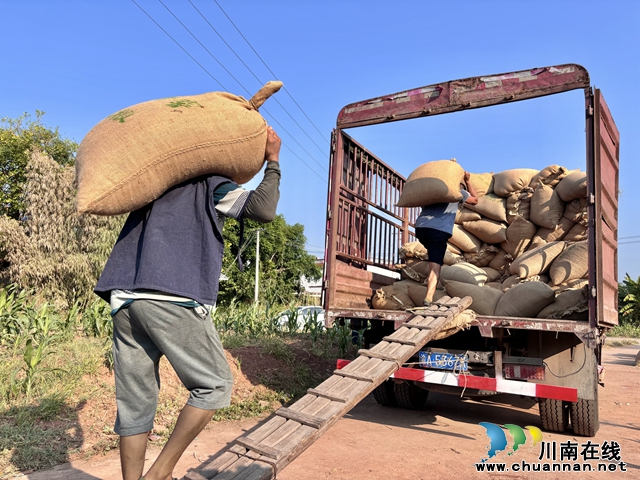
column 384, row 394
column 409, row 396
column 553, row 415
column 584, row 417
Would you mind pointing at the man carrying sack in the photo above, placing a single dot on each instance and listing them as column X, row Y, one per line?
column 434, row 228
column 161, row 280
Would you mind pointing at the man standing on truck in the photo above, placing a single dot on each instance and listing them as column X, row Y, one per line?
column 434, row 228
column 162, row 282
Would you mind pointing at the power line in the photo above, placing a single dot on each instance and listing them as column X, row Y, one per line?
column 629, row 238
column 223, row 87
column 255, row 76
column 240, row 83
column 270, row 71
column 176, row 42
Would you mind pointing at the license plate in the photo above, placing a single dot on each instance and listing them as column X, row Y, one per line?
column 443, row 361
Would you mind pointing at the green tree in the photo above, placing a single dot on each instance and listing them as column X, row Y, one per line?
column 283, row 261
column 629, row 301
column 19, row 138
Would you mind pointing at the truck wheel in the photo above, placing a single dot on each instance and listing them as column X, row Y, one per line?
column 553, row 415
column 384, row 394
column 584, row 417
column 409, row 396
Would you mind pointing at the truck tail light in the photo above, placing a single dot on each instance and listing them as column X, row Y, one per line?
column 528, row 372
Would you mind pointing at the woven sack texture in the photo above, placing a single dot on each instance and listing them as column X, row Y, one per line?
column 509, row 181
column 571, row 264
column 464, row 272
column 433, row 182
column 464, row 240
column 132, row 157
column 547, row 208
column 525, row 300
column 572, row 186
column 550, row 175
column 484, row 299
column 536, row 261
column 490, row 206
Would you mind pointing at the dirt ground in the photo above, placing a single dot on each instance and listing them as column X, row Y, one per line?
column 443, row 440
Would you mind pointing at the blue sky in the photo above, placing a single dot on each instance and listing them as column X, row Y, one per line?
column 80, row 61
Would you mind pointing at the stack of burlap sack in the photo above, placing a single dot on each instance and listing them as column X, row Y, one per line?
column 520, row 252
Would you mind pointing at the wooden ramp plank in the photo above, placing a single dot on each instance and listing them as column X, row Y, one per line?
column 260, row 454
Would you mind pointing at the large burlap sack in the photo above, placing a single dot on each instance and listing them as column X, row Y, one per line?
column 571, row 285
column 453, row 249
column 571, row 264
column 545, row 235
column 519, row 204
column 536, row 261
column 433, row 182
column 466, row 215
column 567, row 304
column 482, row 183
column 547, row 208
column 509, row 181
column 489, row 231
column 490, row 206
column 519, row 235
column 509, row 282
column 492, row 274
column 464, row 272
column 525, row 300
column 501, row 262
column 572, row 186
column 576, row 211
column 417, row 270
column 464, row 240
column 462, row 321
column 391, row 298
column 484, row 299
column 550, row 175
column 576, row 234
column 419, row 292
column 452, row 258
column 483, row 257
column 413, row 250
column 132, row 157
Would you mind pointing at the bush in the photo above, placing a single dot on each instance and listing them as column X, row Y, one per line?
column 629, row 301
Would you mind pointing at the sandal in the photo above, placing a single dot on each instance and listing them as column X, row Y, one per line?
column 426, row 303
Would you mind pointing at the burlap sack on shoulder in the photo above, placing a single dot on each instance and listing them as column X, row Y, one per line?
column 525, row 300
column 536, row 261
column 482, row 183
column 132, row 157
column 550, row 175
column 464, row 240
column 489, row 231
column 519, row 235
column 572, row 186
column 566, row 304
column 490, row 206
column 571, row 264
column 509, row 181
column 547, row 208
column 464, row 272
column 433, row 182
column 484, row 299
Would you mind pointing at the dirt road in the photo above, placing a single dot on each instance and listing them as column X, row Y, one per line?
column 442, row 441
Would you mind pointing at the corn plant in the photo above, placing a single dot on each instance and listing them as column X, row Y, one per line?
column 14, row 319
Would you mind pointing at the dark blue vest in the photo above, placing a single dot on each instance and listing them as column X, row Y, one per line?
column 173, row 245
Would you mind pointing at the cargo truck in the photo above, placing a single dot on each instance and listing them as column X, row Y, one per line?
column 555, row 361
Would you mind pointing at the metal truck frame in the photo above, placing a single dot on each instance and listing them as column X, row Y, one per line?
column 365, row 230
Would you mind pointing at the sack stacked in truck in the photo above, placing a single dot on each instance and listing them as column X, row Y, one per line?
column 132, row 157
column 528, row 230
column 433, row 182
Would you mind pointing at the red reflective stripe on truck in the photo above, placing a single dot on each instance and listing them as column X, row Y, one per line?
column 498, row 385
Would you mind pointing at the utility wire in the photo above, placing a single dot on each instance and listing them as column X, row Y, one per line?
column 176, row 42
column 240, row 83
column 270, row 71
column 256, row 77
column 223, row 87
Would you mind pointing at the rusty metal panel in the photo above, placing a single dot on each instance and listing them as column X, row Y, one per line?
column 464, row 94
column 606, row 154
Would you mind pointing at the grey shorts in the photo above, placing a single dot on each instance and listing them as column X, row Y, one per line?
column 148, row 329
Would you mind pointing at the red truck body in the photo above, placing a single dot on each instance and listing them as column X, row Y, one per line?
column 365, row 230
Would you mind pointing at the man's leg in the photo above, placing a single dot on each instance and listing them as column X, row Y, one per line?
column 432, row 280
column 132, row 450
column 190, row 423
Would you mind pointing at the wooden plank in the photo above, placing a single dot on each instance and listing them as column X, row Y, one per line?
column 413, row 343
column 261, row 448
column 266, row 429
column 381, row 356
column 218, row 464
column 334, row 398
column 355, row 376
column 241, row 465
column 194, row 475
column 300, row 417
